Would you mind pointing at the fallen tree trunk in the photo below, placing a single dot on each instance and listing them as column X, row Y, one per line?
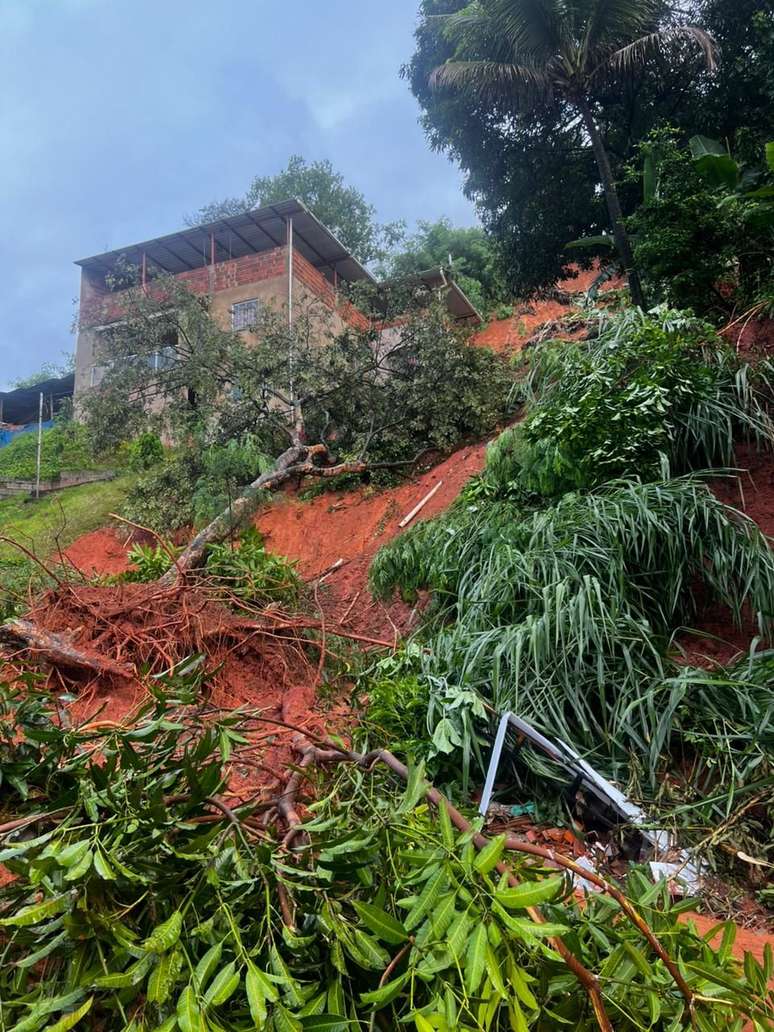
column 297, row 461
column 58, row 650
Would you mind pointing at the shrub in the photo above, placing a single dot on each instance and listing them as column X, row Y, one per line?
column 161, row 499
column 250, row 573
column 648, row 388
column 66, row 446
column 194, row 483
column 145, row 451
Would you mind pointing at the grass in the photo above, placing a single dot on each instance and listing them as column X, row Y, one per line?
column 59, row 518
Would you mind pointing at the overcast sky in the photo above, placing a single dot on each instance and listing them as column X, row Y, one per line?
column 117, row 117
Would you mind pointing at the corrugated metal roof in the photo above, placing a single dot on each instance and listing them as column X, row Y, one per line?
column 249, row 232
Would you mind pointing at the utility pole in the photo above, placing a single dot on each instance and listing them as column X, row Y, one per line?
column 40, row 445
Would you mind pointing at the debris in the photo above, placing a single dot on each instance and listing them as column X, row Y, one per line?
column 420, row 505
column 58, row 649
column 668, row 861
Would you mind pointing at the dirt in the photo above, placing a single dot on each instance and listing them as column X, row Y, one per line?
column 102, row 552
column 748, row 940
column 508, row 336
column 718, row 641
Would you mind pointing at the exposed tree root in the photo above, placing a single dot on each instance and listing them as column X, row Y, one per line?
column 59, row 650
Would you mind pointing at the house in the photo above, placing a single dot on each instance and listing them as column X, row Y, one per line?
column 22, row 411
column 280, row 255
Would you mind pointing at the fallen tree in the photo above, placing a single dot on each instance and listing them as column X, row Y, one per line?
column 265, row 916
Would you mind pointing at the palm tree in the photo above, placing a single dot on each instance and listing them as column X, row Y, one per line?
column 534, row 51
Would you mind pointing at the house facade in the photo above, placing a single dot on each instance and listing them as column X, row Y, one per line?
column 280, row 255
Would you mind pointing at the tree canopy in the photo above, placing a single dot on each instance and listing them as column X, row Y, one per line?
column 532, row 174
column 467, row 251
column 340, row 206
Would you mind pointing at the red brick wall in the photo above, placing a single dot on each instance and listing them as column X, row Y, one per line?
column 100, row 306
column 319, row 285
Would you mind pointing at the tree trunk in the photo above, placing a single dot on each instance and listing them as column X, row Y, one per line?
column 296, row 461
column 620, row 235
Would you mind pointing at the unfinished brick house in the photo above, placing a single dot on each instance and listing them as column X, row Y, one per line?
column 280, row 255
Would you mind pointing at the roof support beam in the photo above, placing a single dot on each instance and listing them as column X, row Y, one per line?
column 265, row 231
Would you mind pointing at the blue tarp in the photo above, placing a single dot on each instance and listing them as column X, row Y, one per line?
column 6, row 436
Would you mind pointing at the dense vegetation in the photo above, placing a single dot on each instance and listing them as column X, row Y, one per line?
column 225, row 399
column 150, row 889
column 564, row 572
column 532, row 173
column 66, row 446
column 139, row 901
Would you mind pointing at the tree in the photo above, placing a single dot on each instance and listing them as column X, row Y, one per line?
column 532, row 174
column 308, row 402
column 342, row 208
column 468, row 252
column 541, row 51
column 705, row 230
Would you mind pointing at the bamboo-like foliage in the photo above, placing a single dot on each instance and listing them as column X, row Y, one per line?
column 564, row 615
column 565, row 610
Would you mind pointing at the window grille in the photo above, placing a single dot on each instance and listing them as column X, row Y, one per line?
column 244, row 315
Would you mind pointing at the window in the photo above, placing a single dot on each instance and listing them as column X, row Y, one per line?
column 244, row 315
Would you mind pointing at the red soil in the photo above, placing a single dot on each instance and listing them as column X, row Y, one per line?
column 748, row 940
column 102, row 553
column 752, row 492
column 508, row 336
column 352, row 524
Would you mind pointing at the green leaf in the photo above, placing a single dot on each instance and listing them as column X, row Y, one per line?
column 164, row 976
column 530, row 930
column 423, row 1025
column 256, row 997
column 416, row 788
column 35, row 913
column 32, row 958
column 387, row 993
column 368, row 952
column 530, row 894
column 166, row 935
column 68, row 1021
column 382, row 924
column 81, row 868
column 447, row 829
column 223, row 986
column 102, row 867
column 490, row 855
column 518, row 980
column 770, row 155
column 326, row 1023
column 207, row 966
column 284, row 1021
column 475, row 958
column 73, row 854
column 189, row 1016
column 427, row 899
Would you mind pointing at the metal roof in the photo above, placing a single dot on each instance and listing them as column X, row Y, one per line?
column 249, row 232
column 459, row 304
column 21, row 405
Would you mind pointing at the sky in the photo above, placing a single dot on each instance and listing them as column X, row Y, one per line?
column 119, row 117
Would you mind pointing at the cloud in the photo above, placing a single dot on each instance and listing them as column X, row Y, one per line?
column 118, row 118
